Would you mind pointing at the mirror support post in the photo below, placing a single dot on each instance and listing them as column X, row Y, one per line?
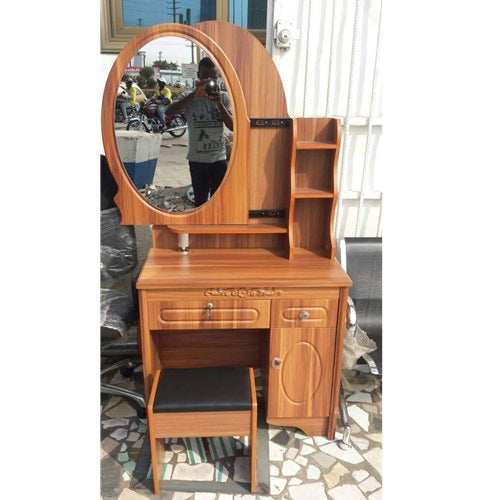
column 183, row 243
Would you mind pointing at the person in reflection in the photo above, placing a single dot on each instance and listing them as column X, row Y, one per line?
column 163, row 97
column 129, row 97
column 206, row 116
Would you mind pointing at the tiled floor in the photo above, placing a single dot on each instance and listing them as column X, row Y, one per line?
column 300, row 467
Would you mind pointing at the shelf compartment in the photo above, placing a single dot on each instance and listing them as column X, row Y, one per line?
column 227, row 229
column 314, row 170
column 312, row 193
column 315, row 145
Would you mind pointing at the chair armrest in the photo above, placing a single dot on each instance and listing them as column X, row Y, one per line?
column 351, row 314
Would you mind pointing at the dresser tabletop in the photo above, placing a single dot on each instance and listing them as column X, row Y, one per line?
column 167, row 268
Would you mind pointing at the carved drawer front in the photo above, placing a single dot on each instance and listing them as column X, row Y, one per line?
column 304, row 313
column 193, row 314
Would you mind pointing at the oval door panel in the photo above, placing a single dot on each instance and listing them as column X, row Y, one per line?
column 301, row 372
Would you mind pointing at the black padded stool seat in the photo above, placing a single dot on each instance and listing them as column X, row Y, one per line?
column 203, row 389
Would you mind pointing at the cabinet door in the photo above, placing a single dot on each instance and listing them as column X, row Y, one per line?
column 300, row 372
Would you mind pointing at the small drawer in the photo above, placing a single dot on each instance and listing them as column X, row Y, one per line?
column 304, row 313
column 208, row 314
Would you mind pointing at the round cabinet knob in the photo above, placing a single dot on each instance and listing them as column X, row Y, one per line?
column 304, row 315
column 210, row 306
column 276, row 362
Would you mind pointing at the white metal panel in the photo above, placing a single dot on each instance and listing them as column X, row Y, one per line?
column 332, row 70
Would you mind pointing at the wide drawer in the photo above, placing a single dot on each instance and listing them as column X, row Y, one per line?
column 194, row 314
column 304, row 313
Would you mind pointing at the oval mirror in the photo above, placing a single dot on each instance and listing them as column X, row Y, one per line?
column 173, row 124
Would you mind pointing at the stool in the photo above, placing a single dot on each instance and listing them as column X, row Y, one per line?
column 202, row 402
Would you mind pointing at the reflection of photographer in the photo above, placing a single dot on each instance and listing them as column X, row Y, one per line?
column 163, row 97
column 207, row 110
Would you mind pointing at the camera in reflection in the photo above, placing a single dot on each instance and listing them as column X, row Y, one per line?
column 211, row 87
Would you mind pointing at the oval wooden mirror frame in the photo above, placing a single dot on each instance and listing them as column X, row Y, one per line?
column 229, row 205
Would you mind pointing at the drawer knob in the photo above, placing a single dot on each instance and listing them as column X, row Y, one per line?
column 276, row 362
column 304, row 315
column 210, row 306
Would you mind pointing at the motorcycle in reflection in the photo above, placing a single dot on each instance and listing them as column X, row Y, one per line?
column 147, row 120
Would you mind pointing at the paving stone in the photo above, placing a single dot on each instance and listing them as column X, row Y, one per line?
column 176, row 448
column 313, row 472
column 244, row 497
column 125, row 475
column 295, row 481
column 360, row 442
column 320, row 440
column 370, row 408
column 138, row 444
column 277, row 485
column 309, row 441
column 325, row 461
column 301, row 460
column 290, row 468
column 129, row 466
column 167, row 456
column 181, row 457
column 223, row 496
column 346, row 492
column 291, row 453
column 360, row 416
column 310, row 491
column 205, row 496
column 273, row 470
column 107, row 446
column 122, row 409
column 276, row 451
column 180, row 495
column 128, row 494
column 242, row 470
column 123, row 457
column 272, row 431
column 115, row 422
column 133, row 426
column 375, row 436
column 360, row 474
column 167, row 472
column 306, row 450
column 119, row 434
column 282, row 438
column 133, row 437
column 374, row 458
column 123, row 447
column 350, row 455
column 376, row 496
column 198, row 472
column 360, row 397
column 332, row 478
column 369, row 485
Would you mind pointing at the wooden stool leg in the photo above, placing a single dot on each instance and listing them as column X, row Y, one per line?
column 157, row 444
column 253, row 435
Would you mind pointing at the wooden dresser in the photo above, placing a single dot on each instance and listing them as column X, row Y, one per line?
column 251, row 307
column 260, row 285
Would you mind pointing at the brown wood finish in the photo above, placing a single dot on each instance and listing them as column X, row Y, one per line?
column 300, row 386
column 320, row 313
column 337, row 369
column 133, row 207
column 258, row 272
column 312, row 426
column 201, row 348
column 201, row 424
column 208, row 314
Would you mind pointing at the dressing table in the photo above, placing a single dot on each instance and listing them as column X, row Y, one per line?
column 259, row 284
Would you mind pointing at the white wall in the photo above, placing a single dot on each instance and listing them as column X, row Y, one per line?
column 332, row 69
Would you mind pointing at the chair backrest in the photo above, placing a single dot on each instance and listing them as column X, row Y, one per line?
column 361, row 258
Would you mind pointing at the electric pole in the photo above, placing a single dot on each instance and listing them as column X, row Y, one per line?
column 175, row 5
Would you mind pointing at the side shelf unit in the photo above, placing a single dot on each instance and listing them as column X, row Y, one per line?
column 313, row 186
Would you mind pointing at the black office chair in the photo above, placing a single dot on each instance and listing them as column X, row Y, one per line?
column 119, row 311
column 361, row 258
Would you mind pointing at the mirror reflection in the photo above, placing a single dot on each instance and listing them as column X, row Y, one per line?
column 173, row 124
